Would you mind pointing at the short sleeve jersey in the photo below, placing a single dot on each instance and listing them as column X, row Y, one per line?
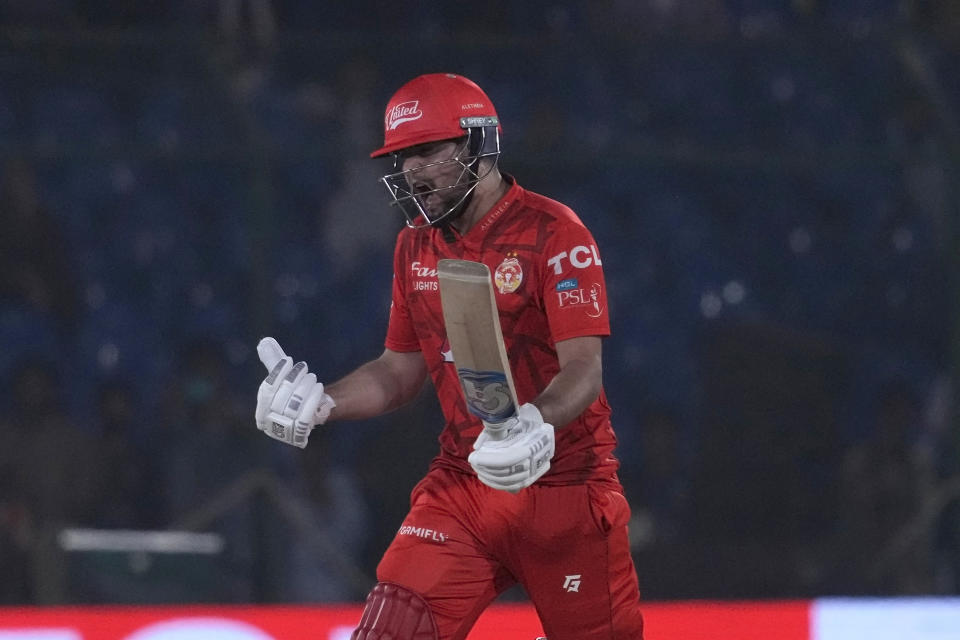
column 549, row 287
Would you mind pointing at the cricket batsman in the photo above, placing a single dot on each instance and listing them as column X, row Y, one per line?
column 536, row 500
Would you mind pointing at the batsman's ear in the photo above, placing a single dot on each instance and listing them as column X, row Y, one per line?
column 270, row 352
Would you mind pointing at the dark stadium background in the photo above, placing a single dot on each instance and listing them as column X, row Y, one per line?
column 773, row 185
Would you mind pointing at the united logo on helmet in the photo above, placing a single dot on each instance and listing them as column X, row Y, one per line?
column 403, row 112
column 431, row 107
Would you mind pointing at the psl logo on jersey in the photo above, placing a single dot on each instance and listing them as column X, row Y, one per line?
column 508, row 275
column 580, row 297
column 403, row 112
column 596, row 310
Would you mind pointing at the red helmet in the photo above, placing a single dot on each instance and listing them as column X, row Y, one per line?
column 432, row 107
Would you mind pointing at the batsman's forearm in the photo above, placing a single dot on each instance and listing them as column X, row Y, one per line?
column 373, row 389
column 572, row 390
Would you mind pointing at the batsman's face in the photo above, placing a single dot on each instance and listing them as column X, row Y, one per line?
column 434, row 173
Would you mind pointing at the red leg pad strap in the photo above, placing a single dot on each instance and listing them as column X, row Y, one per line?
column 393, row 612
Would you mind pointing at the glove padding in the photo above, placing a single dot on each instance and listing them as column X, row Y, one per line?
column 512, row 455
column 290, row 401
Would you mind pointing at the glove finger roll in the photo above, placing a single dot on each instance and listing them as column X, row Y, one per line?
column 486, row 459
column 270, row 352
column 512, row 484
column 515, row 482
column 288, row 385
column 298, row 395
column 500, row 470
column 268, row 390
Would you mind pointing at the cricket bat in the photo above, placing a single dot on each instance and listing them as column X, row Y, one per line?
column 476, row 341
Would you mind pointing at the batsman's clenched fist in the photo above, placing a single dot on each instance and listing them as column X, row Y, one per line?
column 512, row 455
column 290, row 401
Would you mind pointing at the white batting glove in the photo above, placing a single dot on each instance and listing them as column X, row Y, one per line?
column 290, row 401
column 514, row 454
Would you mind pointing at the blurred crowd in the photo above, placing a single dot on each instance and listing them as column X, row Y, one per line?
column 771, row 182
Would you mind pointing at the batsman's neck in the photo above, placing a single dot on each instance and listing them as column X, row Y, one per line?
column 485, row 196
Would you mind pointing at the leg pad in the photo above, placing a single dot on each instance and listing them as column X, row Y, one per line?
column 394, row 612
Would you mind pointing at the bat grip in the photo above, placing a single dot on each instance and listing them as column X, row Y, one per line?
column 496, row 430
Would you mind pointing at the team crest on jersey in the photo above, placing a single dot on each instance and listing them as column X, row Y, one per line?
column 509, row 274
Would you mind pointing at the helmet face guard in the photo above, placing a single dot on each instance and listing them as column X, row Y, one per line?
column 482, row 141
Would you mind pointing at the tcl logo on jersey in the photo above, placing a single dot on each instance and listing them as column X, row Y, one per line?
column 582, row 297
column 580, row 257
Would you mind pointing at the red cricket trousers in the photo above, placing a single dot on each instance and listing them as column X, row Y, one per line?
column 463, row 543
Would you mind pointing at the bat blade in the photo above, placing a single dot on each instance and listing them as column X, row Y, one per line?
column 476, row 340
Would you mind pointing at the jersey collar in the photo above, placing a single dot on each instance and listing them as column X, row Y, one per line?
column 482, row 227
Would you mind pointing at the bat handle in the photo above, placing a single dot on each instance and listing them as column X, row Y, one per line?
column 496, row 430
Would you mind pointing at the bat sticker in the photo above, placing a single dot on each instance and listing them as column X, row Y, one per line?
column 487, row 394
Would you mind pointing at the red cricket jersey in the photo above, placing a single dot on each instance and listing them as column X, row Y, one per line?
column 549, row 287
